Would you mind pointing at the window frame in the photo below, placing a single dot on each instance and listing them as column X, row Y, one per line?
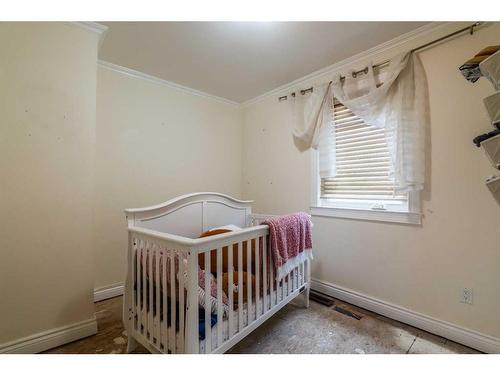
column 407, row 213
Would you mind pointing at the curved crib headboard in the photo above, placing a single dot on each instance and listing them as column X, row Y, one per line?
column 191, row 214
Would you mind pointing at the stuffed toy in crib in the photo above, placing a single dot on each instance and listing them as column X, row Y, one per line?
column 225, row 274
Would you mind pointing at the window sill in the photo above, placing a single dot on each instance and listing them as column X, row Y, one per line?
column 370, row 215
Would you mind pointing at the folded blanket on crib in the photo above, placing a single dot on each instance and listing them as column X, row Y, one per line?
column 290, row 239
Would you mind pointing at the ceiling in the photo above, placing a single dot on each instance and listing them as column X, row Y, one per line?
column 240, row 60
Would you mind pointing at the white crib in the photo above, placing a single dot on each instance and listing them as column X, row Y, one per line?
column 170, row 324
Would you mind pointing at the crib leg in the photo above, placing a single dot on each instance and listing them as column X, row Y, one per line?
column 306, row 296
column 308, row 285
column 131, row 344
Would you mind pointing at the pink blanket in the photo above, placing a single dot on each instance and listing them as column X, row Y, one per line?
column 290, row 238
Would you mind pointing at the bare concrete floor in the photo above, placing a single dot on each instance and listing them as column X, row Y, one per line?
column 294, row 330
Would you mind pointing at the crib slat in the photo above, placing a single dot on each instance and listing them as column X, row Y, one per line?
column 282, row 289
column 304, row 271
column 301, row 272
column 192, row 321
column 144, row 290
column 279, row 290
column 288, row 284
column 181, row 279
column 230, row 289
column 164, row 330
column 273, row 292
column 129, row 287
column 138, row 289
column 297, row 276
column 150, row 293
column 137, row 301
column 249, row 280
column 208, row 325
column 219, row 298
column 257, row 277
column 264, row 273
column 240, row 287
column 173, row 301
column 285, row 287
column 157, row 296
column 293, row 284
column 308, row 279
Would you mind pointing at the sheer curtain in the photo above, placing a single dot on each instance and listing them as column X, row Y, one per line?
column 311, row 116
column 396, row 100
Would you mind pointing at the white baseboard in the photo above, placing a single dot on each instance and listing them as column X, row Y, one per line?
column 50, row 339
column 109, row 291
column 473, row 339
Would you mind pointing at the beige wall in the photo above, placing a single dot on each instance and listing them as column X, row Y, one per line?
column 422, row 268
column 155, row 142
column 47, row 135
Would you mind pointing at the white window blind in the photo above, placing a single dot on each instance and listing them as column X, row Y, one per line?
column 362, row 159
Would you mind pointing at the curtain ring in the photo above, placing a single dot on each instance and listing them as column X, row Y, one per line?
column 365, row 70
column 472, row 29
column 354, row 74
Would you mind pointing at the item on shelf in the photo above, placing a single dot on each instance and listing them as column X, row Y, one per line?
column 492, row 148
column 470, row 69
column 483, row 137
column 492, row 105
column 493, row 183
column 490, row 69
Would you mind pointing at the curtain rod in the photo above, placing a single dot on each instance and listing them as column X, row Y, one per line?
column 469, row 28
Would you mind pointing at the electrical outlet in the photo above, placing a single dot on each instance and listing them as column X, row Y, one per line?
column 467, row 296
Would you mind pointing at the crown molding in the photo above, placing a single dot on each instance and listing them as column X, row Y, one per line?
column 173, row 85
column 92, row 26
column 408, row 40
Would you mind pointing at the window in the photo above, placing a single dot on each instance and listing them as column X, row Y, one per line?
column 362, row 187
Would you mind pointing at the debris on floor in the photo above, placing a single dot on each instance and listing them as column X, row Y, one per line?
column 321, row 298
column 119, row 341
column 347, row 312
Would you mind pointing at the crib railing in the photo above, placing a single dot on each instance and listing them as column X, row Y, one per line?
column 161, row 308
